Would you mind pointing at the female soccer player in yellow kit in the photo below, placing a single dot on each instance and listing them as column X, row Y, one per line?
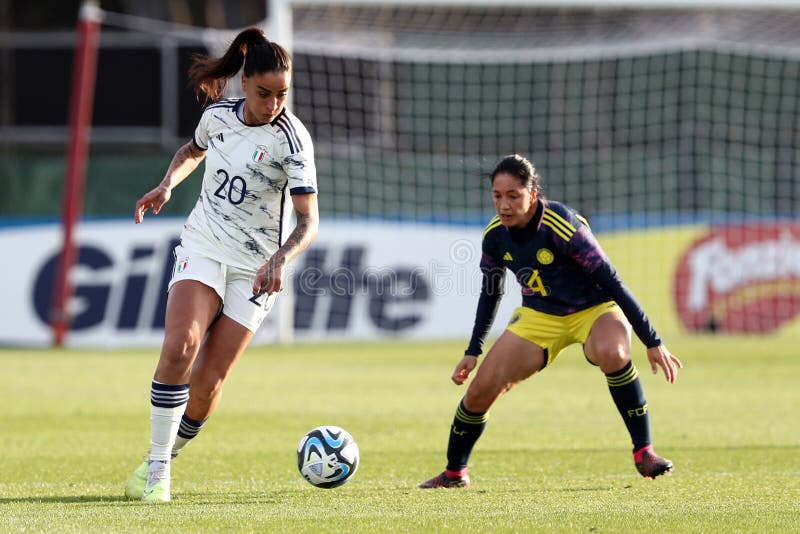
column 570, row 294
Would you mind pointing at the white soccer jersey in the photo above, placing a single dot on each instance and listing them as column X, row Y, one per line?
column 242, row 214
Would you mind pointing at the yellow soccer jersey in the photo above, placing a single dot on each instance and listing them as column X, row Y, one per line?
column 242, row 215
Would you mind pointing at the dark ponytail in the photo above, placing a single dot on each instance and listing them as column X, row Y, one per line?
column 210, row 76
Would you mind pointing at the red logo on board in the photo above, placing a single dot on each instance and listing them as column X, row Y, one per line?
column 740, row 279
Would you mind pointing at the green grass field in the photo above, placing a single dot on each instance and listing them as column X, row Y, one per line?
column 555, row 456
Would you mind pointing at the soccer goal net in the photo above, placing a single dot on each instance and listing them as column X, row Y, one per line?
column 674, row 131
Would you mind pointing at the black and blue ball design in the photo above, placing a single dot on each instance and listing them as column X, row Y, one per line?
column 327, row 456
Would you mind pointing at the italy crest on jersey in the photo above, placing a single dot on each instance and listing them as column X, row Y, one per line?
column 259, row 153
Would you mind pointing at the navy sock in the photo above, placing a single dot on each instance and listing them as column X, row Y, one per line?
column 467, row 428
column 626, row 390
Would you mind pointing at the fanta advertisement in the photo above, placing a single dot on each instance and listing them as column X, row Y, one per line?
column 740, row 279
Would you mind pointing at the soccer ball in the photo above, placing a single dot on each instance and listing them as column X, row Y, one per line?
column 327, row 456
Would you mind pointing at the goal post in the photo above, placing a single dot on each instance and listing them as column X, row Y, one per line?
column 80, row 119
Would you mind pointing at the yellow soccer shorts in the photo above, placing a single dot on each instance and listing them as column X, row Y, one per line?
column 554, row 333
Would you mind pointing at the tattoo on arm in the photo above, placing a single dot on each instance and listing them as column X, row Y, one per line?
column 302, row 236
column 185, row 160
column 180, row 156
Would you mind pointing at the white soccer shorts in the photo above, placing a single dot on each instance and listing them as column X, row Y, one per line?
column 233, row 285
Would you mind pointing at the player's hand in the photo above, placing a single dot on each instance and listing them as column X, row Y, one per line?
column 269, row 278
column 661, row 357
column 463, row 369
column 153, row 201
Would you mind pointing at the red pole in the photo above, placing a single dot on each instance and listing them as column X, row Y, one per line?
column 80, row 118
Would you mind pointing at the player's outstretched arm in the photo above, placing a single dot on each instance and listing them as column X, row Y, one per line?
column 185, row 160
column 269, row 278
column 661, row 357
column 463, row 369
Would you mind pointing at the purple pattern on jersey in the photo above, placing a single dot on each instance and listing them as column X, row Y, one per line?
column 488, row 262
column 585, row 250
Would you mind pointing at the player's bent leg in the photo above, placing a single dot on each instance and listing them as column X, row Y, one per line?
column 224, row 345
column 511, row 360
column 608, row 346
column 191, row 308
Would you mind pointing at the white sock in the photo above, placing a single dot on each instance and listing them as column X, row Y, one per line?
column 179, row 443
column 168, row 402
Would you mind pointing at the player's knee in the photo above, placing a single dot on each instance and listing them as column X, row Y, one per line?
column 611, row 358
column 475, row 403
column 181, row 346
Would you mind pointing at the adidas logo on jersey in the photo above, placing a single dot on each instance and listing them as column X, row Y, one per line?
column 221, row 138
column 507, row 257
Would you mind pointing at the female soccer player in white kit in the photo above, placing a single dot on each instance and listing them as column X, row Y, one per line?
column 235, row 245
